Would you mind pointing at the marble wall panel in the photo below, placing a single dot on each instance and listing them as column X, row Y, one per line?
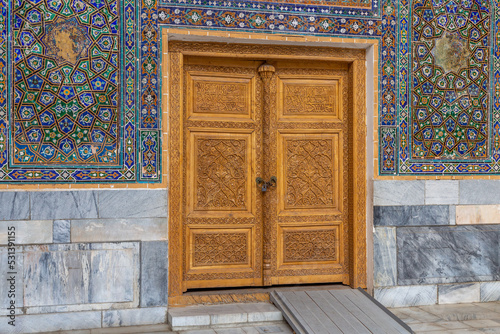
column 154, row 273
column 384, row 256
column 63, row 204
column 441, row 192
column 102, row 230
column 411, row 215
column 14, row 205
column 27, row 231
column 62, row 231
column 6, row 285
column 398, row 192
column 80, row 274
column 428, row 255
column 132, row 203
column 477, row 214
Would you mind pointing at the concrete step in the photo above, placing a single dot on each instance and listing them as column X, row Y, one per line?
column 212, row 316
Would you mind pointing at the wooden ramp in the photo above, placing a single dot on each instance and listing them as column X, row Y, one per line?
column 336, row 311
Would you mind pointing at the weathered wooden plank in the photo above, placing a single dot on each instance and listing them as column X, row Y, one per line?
column 374, row 312
column 358, row 313
column 309, row 317
column 289, row 316
column 296, row 312
column 338, row 313
column 318, row 313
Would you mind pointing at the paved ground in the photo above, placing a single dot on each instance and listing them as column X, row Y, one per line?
column 456, row 318
column 264, row 328
column 442, row 319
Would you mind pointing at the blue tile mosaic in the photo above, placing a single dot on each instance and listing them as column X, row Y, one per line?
column 424, row 127
column 69, row 104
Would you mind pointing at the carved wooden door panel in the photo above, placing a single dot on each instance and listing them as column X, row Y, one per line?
column 222, row 218
column 308, row 215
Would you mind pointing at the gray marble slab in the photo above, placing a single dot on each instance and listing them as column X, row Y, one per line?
column 154, row 273
column 5, row 286
column 67, row 274
column 453, row 254
column 14, row 205
column 490, row 291
column 384, row 255
column 119, row 203
column 62, row 231
column 406, row 296
column 63, row 204
column 458, row 293
column 439, row 192
column 134, row 317
column 479, row 192
column 52, row 322
column 390, row 192
column 413, row 215
column 27, row 231
column 125, row 229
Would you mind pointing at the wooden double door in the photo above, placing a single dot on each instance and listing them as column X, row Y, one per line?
column 266, row 184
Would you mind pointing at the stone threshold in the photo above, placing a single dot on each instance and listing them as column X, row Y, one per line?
column 213, row 316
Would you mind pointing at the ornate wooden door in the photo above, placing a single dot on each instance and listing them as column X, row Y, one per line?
column 307, row 217
column 222, row 140
column 245, row 119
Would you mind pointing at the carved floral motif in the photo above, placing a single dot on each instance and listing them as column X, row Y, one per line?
column 309, row 173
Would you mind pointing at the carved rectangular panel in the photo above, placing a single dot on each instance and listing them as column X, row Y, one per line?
column 309, row 170
column 307, row 98
column 219, row 95
column 220, row 173
column 216, row 248
column 309, row 245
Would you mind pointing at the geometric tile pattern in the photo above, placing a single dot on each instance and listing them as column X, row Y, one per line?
column 338, row 8
column 448, row 110
column 450, row 85
column 129, row 148
column 79, row 106
column 66, row 83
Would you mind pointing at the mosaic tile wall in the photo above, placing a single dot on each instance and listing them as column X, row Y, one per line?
column 87, row 110
column 79, row 91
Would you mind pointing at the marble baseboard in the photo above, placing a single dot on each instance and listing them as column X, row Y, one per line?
column 406, row 296
column 52, row 322
column 453, row 254
column 459, row 293
column 134, row 317
column 490, row 291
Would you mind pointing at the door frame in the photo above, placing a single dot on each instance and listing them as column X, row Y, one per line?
column 284, row 48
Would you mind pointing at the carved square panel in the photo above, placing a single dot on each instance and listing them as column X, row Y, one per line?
column 217, row 248
column 219, row 174
column 219, row 95
column 310, row 168
column 308, row 98
column 309, row 244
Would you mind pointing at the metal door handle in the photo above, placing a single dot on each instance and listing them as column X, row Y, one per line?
column 264, row 185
